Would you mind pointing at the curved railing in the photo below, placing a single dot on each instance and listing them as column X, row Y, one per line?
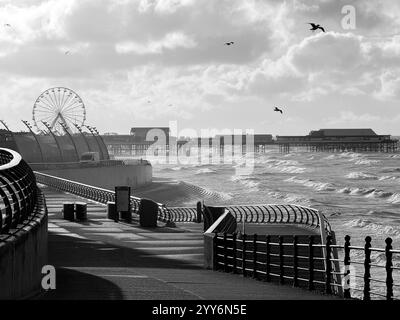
column 95, row 193
column 272, row 213
column 18, row 190
column 277, row 213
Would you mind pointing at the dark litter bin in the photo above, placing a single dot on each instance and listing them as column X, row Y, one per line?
column 81, row 211
column 68, row 211
column 112, row 211
column 148, row 212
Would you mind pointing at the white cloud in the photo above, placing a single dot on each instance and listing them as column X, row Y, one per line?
column 170, row 41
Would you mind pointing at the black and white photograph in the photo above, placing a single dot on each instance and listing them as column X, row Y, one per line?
column 200, row 158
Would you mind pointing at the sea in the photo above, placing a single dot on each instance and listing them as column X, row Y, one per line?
column 359, row 193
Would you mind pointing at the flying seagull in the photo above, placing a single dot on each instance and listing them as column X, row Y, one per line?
column 67, row 52
column 315, row 27
column 278, row 110
column 229, row 43
column 7, row 25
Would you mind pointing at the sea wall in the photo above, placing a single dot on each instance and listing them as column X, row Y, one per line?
column 107, row 177
column 22, row 257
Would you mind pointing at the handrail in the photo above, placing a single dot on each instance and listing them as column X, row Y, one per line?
column 262, row 213
column 261, row 253
column 94, row 193
column 18, row 190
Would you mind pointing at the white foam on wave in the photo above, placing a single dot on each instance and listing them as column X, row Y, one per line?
column 374, row 228
column 290, row 198
column 205, row 171
column 316, row 185
column 247, row 181
column 361, row 176
column 285, row 166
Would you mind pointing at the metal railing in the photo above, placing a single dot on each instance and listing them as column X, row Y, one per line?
column 303, row 261
column 18, row 190
column 96, row 194
column 247, row 213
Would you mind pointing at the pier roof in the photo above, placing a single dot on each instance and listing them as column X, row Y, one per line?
column 343, row 132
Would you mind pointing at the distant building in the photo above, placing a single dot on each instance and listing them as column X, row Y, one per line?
column 340, row 140
column 337, row 135
column 137, row 142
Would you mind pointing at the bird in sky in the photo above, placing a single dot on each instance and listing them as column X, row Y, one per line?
column 278, row 110
column 7, row 25
column 67, row 52
column 315, row 27
column 229, row 43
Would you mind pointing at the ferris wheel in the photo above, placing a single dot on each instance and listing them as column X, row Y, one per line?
column 56, row 108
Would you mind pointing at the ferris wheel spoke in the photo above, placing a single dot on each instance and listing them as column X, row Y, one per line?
column 69, row 99
column 44, row 104
column 73, row 109
column 49, row 102
column 62, row 99
column 70, row 103
column 41, row 109
column 55, row 99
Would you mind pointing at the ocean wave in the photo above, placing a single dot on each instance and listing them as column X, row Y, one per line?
column 194, row 190
column 316, row 185
column 247, row 181
column 361, row 176
column 205, row 171
column 366, row 161
column 290, row 198
column 285, row 166
column 384, row 178
column 374, row 228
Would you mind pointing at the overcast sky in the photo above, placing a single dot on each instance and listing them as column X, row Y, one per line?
column 125, row 53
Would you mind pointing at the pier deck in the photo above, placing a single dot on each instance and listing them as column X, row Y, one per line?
column 101, row 259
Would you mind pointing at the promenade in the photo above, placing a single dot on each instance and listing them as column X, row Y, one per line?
column 101, row 259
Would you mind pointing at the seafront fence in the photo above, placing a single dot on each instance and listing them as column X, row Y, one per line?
column 23, row 228
column 243, row 213
column 18, row 191
column 300, row 262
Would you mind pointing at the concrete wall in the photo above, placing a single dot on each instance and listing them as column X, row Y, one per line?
column 107, row 177
column 22, row 257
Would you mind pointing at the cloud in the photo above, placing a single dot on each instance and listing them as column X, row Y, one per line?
column 170, row 41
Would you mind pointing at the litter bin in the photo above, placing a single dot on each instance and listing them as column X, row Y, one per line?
column 68, row 211
column 81, row 211
column 148, row 212
column 111, row 211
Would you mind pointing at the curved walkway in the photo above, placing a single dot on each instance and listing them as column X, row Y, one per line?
column 101, row 259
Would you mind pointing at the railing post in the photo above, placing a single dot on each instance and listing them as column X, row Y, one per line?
column 215, row 253
column 367, row 268
column 281, row 267
column 225, row 253
column 268, row 258
column 295, row 262
column 244, row 254
column 328, row 263
column 389, row 270
column 199, row 210
column 311, row 263
column 255, row 256
column 234, row 253
column 346, row 280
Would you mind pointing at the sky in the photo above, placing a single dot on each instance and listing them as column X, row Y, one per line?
column 148, row 62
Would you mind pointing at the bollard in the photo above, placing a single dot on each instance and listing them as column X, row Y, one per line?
column 81, row 211
column 68, row 211
column 126, row 216
column 111, row 211
column 148, row 213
